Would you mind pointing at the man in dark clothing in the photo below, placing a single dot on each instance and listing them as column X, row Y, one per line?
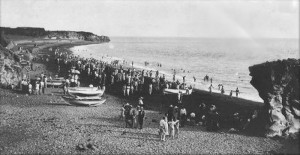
column 141, row 116
column 213, row 119
column 128, row 119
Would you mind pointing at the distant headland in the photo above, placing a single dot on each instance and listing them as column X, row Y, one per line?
column 41, row 33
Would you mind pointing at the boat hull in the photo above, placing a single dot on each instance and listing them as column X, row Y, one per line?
column 73, row 92
column 176, row 91
column 85, row 102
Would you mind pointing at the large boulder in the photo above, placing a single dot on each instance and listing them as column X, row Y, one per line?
column 278, row 85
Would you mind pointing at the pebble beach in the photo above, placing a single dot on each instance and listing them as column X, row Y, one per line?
column 46, row 124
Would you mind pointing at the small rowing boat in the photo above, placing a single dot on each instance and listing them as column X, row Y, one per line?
column 176, row 91
column 83, row 88
column 84, row 102
column 54, row 83
column 87, row 92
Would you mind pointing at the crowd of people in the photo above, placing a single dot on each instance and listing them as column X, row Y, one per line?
column 114, row 78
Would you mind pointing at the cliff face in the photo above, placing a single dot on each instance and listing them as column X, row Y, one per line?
column 10, row 71
column 42, row 33
column 278, row 85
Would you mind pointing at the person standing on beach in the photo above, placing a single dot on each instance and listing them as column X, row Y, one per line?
column 222, row 90
column 150, row 88
column 182, row 116
column 210, row 88
column 42, row 86
column 237, row 91
column 177, row 124
column 134, row 117
column 162, row 129
column 194, row 78
column 29, row 88
column 37, row 88
column 141, row 116
column 172, row 127
column 230, row 94
column 140, row 102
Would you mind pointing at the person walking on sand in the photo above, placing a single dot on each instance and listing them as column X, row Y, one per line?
column 237, row 91
column 141, row 116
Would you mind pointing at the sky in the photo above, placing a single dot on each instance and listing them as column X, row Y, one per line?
column 158, row 18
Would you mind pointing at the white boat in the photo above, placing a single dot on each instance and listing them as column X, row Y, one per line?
column 87, row 97
column 83, row 88
column 54, row 83
column 84, row 102
column 87, row 92
column 176, row 91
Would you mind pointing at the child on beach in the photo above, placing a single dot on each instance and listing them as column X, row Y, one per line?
column 172, row 127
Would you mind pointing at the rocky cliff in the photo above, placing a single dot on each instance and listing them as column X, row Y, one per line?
column 42, row 33
column 10, row 70
column 278, row 85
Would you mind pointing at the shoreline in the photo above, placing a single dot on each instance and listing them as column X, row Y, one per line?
column 46, row 124
column 199, row 85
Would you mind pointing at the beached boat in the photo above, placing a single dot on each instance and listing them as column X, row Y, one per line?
column 87, row 92
column 84, row 102
column 176, row 91
column 54, row 83
column 83, row 88
column 87, row 97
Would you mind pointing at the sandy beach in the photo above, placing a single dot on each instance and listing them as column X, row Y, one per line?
column 46, row 124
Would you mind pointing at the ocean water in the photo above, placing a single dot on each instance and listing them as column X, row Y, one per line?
column 225, row 60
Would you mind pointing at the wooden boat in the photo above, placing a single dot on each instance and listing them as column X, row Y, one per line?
column 87, row 97
column 80, row 92
column 54, row 83
column 84, row 102
column 176, row 91
column 83, row 88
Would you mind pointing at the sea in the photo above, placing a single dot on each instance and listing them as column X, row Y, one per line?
column 226, row 61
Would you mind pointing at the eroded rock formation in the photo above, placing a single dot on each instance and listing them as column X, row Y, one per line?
column 278, row 85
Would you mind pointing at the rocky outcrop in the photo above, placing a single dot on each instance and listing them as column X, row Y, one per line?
column 10, row 70
column 278, row 85
column 42, row 33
